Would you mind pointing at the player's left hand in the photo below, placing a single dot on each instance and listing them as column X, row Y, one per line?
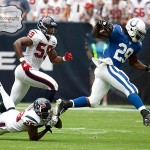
column 105, row 25
column 48, row 128
column 68, row 56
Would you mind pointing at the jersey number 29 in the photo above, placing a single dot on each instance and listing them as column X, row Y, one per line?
column 122, row 55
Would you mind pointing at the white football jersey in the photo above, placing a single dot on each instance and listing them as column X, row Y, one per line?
column 91, row 19
column 115, row 12
column 139, row 9
column 77, row 7
column 32, row 4
column 56, row 9
column 42, row 10
column 36, row 53
column 16, row 121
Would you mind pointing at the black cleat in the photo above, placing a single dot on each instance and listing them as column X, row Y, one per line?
column 146, row 120
column 60, row 107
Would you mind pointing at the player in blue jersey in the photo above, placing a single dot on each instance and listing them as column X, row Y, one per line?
column 124, row 43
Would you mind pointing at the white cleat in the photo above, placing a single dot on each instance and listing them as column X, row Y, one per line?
column 60, row 107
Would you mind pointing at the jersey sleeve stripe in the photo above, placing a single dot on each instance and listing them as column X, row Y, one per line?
column 31, row 118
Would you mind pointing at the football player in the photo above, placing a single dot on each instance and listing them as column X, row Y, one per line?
column 139, row 9
column 38, row 114
column 115, row 11
column 39, row 44
column 73, row 10
column 124, row 43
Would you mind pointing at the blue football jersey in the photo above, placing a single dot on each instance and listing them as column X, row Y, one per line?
column 120, row 46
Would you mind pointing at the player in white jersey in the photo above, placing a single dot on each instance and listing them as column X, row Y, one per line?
column 56, row 9
column 38, row 114
column 115, row 11
column 73, row 9
column 140, row 9
column 90, row 14
column 39, row 44
column 42, row 10
column 32, row 4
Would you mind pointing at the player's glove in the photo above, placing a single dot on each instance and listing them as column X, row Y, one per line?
column 105, row 25
column 147, row 69
column 53, row 121
column 25, row 66
column 48, row 128
column 67, row 57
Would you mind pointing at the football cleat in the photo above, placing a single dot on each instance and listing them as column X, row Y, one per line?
column 60, row 107
column 146, row 120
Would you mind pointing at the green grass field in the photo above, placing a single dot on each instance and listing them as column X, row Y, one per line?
column 103, row 128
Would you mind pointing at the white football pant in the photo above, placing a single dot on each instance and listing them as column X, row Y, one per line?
column 35, row 78
column 106, row 75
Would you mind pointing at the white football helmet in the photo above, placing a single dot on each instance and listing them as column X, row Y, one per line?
column 136, row 29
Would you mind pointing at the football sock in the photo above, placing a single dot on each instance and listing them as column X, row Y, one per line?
column 135, row 100
column 80, row 102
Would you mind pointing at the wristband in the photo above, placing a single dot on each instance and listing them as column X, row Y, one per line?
column 63, row 58
column 21, row 59
column 147, row 69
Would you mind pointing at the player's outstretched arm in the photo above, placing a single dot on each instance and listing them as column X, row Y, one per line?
column 34, row 135
column 134, row 62
column 55, row 59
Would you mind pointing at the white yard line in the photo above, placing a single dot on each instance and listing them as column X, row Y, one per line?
column 108, row 108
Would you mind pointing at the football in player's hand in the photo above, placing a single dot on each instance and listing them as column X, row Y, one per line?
column 102, row 32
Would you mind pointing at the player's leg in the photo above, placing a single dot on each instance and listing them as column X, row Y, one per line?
column 18, row 91
column 41, row 80
column 118, row 79
column 8, row 103
column 99, row 90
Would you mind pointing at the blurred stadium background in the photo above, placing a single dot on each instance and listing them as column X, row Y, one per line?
column 73, row 77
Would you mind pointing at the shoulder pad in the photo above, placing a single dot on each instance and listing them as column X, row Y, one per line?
column 35, row 36
column 53, row 41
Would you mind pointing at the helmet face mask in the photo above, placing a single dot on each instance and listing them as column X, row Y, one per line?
column 42, row 108
column 136, row 29
column 47, row 25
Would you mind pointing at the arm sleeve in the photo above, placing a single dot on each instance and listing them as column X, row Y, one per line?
column 33, row 35
column 29, row 120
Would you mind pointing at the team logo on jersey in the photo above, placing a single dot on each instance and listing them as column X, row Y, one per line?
column 53, row 43
column 43, row 106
